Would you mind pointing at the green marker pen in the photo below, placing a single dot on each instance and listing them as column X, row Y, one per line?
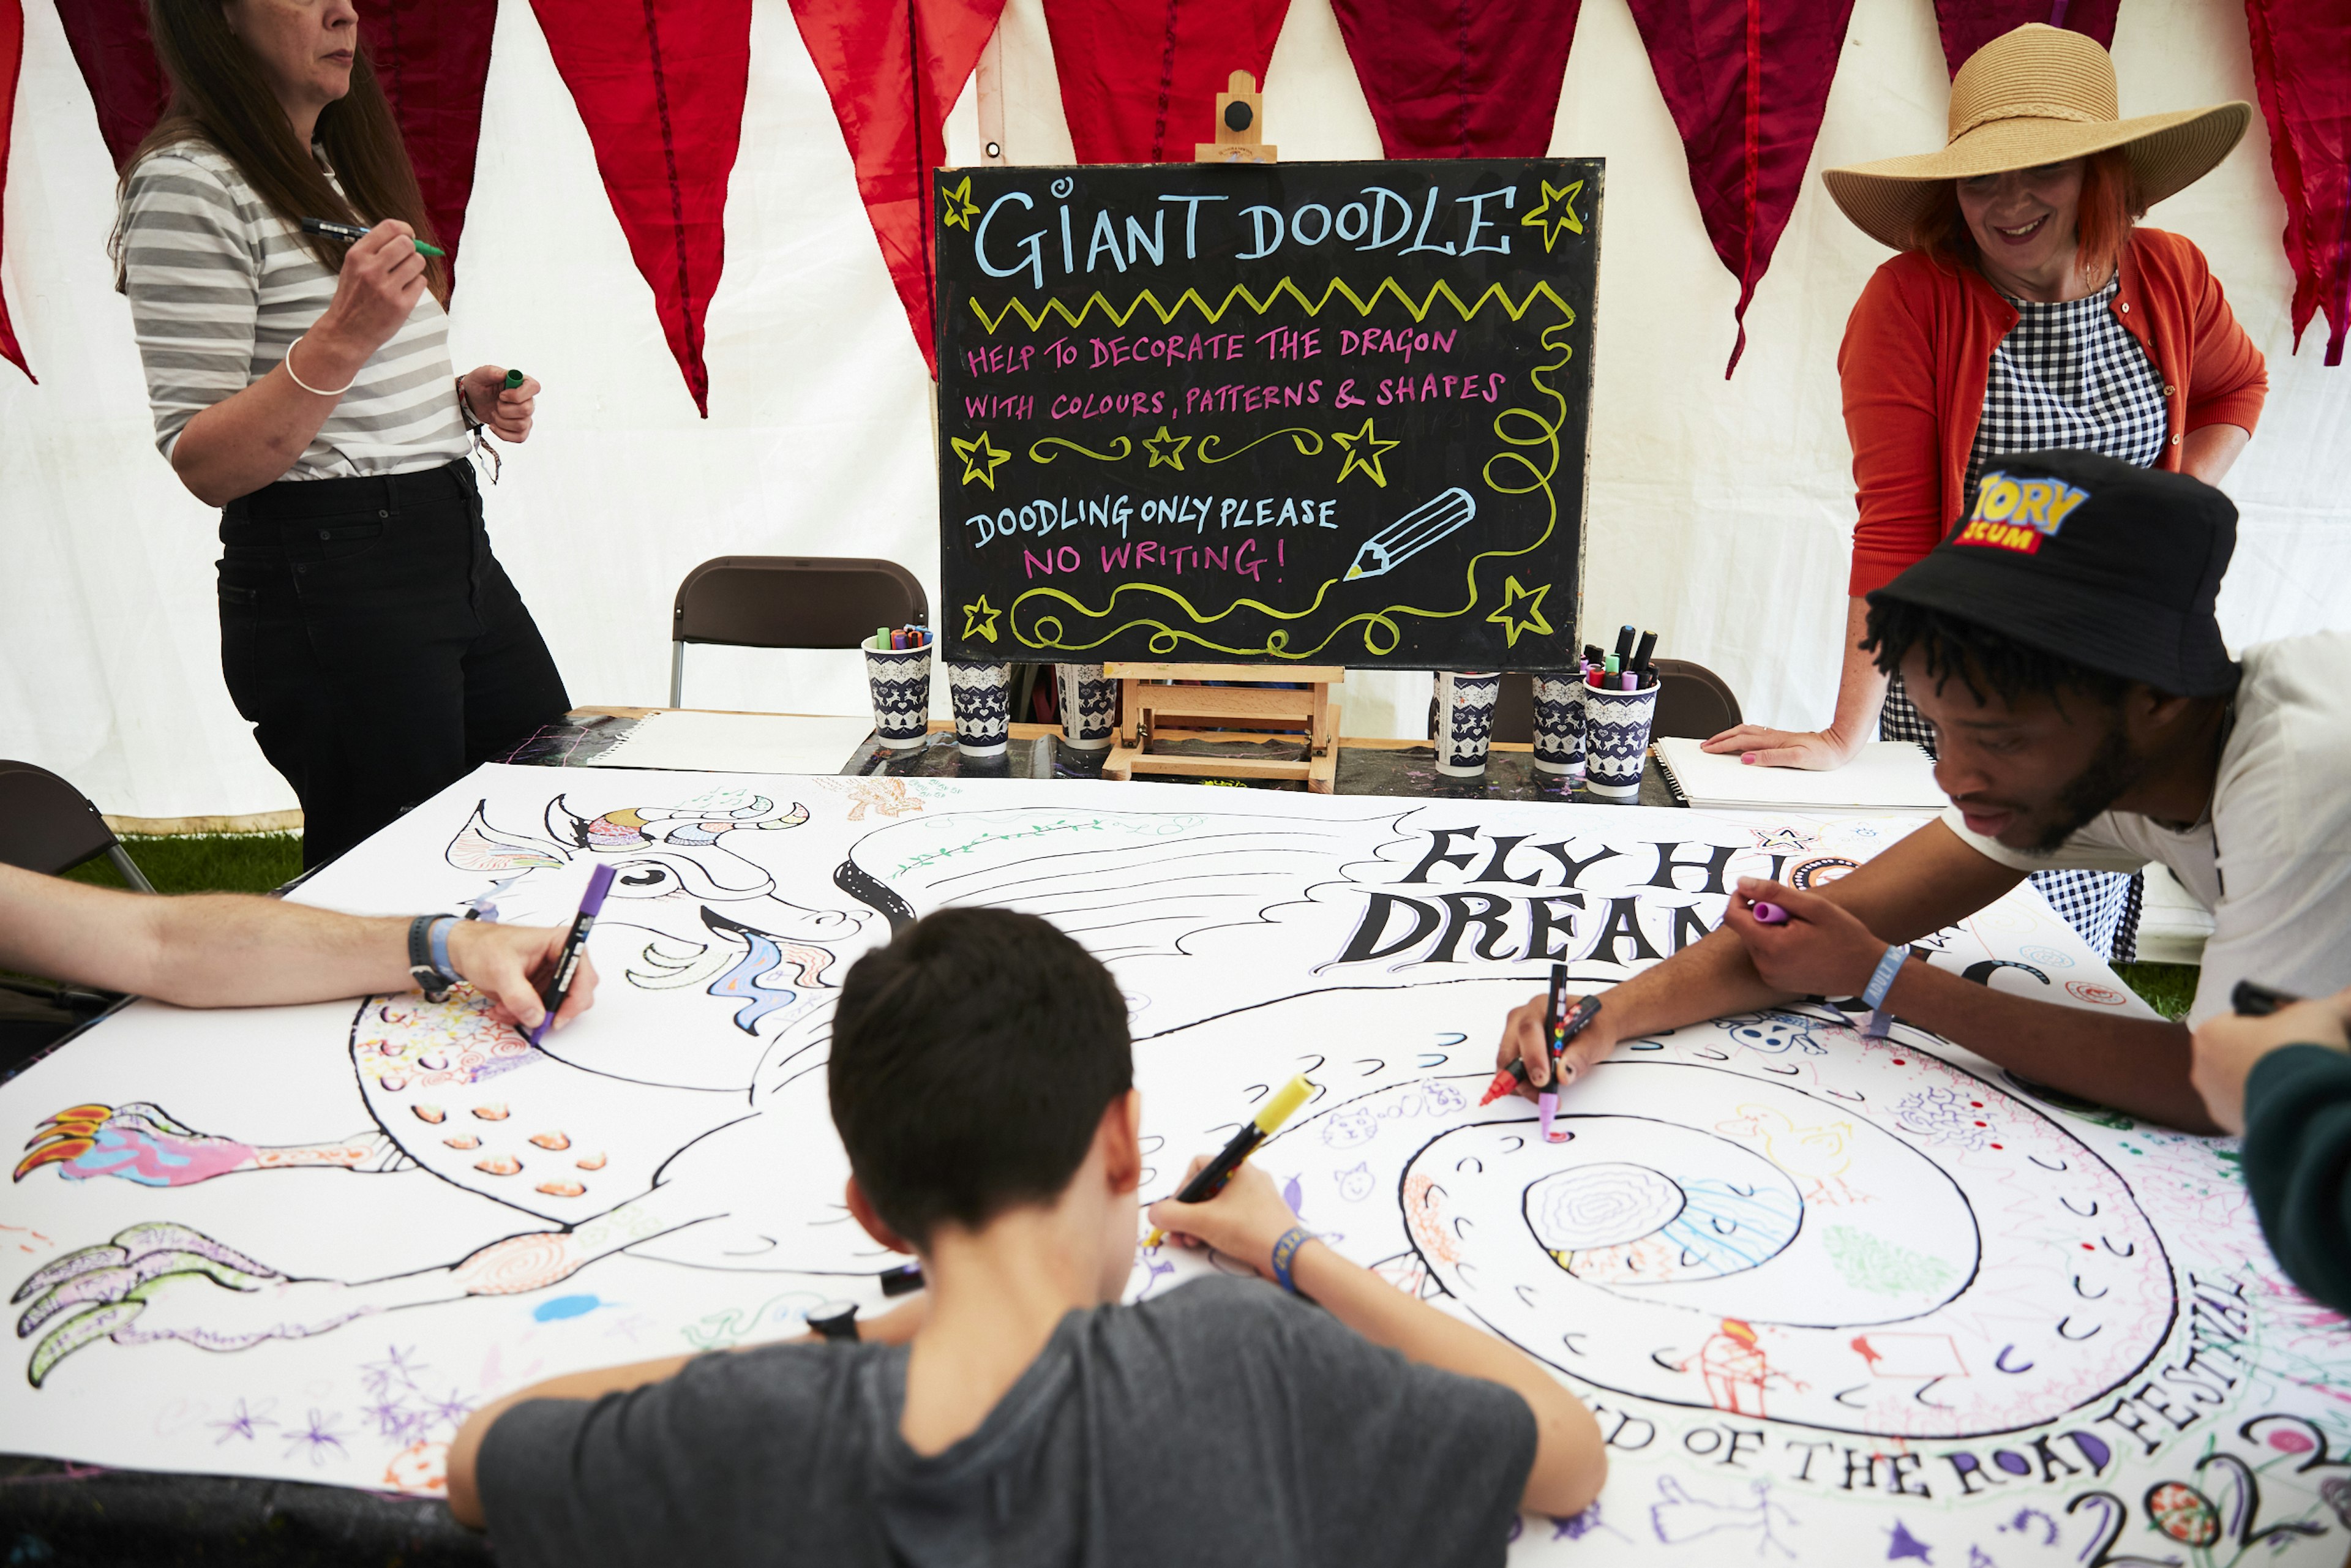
column 514, row 380
column 350, row 231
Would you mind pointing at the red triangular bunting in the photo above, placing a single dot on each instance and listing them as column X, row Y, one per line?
column 1967, row 25
column 1746, row 80
column 11, row 55
column 1450, row 80
column 660, row 87
column 108, row 39
column 431, row 57
column 1140, row 78
column 894, row 117
column 2301, row 70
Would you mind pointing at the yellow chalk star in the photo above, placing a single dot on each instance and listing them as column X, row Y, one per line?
column 1367, row 457
column 1522, row 611
column 980, row 458
column 960, row 209
column 1165, row 448
column 979, row 620
column 1551, row 223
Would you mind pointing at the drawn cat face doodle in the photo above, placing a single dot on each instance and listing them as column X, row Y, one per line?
column 1345, row 1128
column 1357, row 1184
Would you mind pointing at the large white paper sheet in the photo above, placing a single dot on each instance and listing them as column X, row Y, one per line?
column 1835, row 1301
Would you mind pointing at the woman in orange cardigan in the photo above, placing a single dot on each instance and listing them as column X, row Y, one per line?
column 2026, row 311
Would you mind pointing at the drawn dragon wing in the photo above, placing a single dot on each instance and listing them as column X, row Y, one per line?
column 1127, row 884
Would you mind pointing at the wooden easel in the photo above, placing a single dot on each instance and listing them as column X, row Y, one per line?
column 1151, row 713
column 1240, row 126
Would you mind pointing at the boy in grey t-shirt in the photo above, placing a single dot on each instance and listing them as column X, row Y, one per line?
column 982, row 1081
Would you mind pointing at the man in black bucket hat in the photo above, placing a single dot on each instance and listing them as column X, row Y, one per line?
column 2062, row 641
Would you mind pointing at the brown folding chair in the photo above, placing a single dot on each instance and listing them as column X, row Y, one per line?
column 788, row 601
column 49, row 826
column 1693, row 702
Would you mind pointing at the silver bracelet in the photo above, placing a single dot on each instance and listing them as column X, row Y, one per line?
column 306, row 386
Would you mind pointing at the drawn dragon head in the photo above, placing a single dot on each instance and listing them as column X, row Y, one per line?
column 711, row 918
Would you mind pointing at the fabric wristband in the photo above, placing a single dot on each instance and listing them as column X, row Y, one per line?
column 1285, row 1253
column 1881, row 981
column 428, row 955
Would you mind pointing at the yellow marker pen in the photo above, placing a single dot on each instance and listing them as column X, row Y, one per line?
column 1218, row 1171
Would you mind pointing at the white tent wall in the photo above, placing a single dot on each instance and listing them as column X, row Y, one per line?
column 1719, row 511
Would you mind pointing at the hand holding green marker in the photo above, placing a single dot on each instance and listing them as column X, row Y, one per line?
column 354, row 233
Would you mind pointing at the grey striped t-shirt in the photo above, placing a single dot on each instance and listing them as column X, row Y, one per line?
column 220, row 285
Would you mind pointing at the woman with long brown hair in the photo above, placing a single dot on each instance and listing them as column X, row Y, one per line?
column 302, row 384
column 2027, row 311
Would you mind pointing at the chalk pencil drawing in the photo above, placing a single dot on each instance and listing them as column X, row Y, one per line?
column 1832, row 1295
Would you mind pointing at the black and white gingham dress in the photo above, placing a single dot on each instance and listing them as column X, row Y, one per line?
column 2066, row 375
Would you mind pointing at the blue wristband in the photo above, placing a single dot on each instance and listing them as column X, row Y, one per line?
column 1881, row 981
column 440, row 941
column 1285, row 1251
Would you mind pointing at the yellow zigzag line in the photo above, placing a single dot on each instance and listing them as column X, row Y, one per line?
column 1213, row 314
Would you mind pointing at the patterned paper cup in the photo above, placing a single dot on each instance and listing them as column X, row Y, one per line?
column 1616, row 740
column 1465, row 720
column 1089, row 706
column 901, row 680
column 1559, row 723
column 982, row 698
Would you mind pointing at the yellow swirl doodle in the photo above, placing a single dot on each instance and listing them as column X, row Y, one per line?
column 1525, row 430
column 1215, row 313
column 1037, row 453
column 1299, row 434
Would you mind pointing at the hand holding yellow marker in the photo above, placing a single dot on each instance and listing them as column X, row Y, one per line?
column 1213, row 1175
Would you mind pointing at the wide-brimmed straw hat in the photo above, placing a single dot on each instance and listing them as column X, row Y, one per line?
column 2037, row 95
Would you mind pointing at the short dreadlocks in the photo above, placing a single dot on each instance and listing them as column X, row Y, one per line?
column 1979, row 656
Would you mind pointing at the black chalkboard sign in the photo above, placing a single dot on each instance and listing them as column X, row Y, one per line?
column 1314, row 412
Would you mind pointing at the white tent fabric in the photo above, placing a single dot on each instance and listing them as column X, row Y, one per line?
column 1720, row 512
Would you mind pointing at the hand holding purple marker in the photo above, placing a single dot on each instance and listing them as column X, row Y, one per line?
column 566, row 964
column 1769, row 913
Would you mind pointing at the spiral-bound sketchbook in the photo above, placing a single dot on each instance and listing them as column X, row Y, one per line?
column 1888, row 775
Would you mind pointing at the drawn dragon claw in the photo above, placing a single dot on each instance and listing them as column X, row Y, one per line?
column 100, row 1292
column 138, row 1142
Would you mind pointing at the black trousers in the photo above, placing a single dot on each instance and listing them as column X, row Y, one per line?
column 375, row 644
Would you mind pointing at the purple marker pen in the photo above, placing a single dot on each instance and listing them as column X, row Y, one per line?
column 1769, row 913
column 567, row 965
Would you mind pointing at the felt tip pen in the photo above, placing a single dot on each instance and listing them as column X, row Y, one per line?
column 1592, row 654
column 1640, row 659
column 1220, row 1171
column 567, row 963
column 1769, row 913
column 902, row 1280
column 1625, row 636
column 352, row 232
column 514, row 380
column 1562, row 1036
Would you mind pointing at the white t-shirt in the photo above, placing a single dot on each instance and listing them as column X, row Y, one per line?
column 2271, row 857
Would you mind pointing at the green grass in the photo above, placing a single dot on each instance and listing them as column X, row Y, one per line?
column 255, row 863
column 212, row 862
column 2166, row 987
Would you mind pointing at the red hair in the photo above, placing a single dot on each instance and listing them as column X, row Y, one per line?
column 2111, row 202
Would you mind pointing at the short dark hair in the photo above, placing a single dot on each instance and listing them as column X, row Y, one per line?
column 1962, row 649
column 972, row 1060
